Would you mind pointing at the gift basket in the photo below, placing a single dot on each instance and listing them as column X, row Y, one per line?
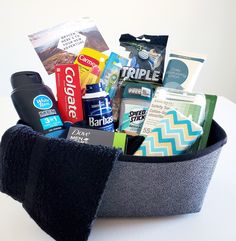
column 120, row 139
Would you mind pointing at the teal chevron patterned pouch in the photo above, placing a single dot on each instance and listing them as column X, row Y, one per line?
column 172, row 136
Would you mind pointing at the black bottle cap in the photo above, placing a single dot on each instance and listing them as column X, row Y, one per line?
column 24, row 78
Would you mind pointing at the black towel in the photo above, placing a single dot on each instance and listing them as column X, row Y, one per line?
column 59, row 182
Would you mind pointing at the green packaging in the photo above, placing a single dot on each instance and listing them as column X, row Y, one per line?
column 209, row 112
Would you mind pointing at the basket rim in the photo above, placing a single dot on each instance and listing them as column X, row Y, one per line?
column 222, row 140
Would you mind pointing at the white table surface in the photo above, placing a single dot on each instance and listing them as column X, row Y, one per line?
column 215, row 222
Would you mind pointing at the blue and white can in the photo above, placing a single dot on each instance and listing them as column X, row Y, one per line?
column 97, row 108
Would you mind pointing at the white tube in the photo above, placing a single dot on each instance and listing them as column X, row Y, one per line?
column 182, row 70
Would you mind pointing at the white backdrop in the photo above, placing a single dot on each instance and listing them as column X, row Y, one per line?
column 193, row 25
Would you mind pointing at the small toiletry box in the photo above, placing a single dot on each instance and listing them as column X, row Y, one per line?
column 156, row 186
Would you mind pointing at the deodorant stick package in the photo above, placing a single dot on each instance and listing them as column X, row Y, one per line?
column 135, row 102
column 69, row 92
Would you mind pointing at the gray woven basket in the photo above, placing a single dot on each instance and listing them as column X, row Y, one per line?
column 158, row 186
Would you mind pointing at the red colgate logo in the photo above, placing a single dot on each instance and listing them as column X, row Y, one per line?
column 87, row 60
column 69, row 92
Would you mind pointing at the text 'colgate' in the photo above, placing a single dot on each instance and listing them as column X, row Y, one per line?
column 69, row 92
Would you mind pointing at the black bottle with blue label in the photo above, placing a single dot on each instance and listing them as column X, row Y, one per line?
column 35, row 103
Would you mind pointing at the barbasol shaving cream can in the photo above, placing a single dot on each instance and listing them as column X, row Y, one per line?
column 97, row 108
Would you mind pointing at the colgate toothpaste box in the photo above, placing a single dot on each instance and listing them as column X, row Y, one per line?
column 69, row 92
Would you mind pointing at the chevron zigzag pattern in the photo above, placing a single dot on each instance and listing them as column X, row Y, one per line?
column 174, row 135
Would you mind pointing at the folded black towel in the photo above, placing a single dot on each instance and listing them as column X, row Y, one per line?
column 59, row 182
